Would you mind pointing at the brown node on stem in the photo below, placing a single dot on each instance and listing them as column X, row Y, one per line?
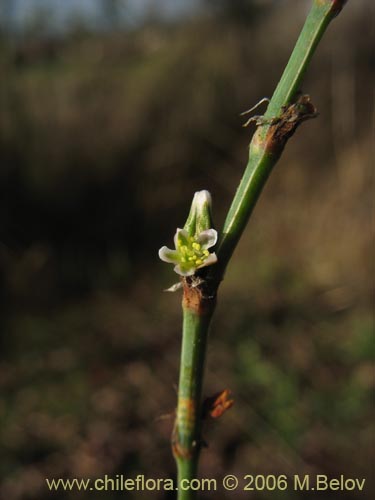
column 284, row 126
column 178, row 450
column 215, row 406
column 196, row 296
column 184, row 423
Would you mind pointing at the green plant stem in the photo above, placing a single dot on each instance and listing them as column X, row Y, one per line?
column 281, row 119
column 315, row 25
column 187, row 429
column 262, row 158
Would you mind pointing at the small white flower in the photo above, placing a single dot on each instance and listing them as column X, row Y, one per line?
column 191, row 252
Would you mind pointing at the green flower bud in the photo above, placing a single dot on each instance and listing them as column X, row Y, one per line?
column 200, row 218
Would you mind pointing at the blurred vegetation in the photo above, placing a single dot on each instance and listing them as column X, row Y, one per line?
column 103, row 140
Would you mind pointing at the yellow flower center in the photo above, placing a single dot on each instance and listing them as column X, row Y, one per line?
column 193, row 253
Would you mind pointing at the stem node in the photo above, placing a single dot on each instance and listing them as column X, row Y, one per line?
column 283, row 127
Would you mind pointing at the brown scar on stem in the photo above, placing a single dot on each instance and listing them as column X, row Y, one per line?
column 196, row 297
column 283, row 127
column 215, row 406
column 186, row 410
column 178, row 450
column 186, row 413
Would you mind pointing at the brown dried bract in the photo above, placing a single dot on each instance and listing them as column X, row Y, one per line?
column 284, row 126
column 292, row 116
column 217, row 404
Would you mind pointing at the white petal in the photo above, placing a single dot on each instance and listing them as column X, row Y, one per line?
column 174, row 287
column 182, row 234
column 168, row 255
column 207, row 238
column 211, row 259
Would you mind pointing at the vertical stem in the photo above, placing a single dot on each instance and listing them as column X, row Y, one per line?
column 282, row 118
column 197, row 313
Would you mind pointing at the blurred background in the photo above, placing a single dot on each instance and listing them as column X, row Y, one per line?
column 112, row 113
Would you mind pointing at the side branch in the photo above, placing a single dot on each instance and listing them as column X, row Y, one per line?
column 284, row 114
